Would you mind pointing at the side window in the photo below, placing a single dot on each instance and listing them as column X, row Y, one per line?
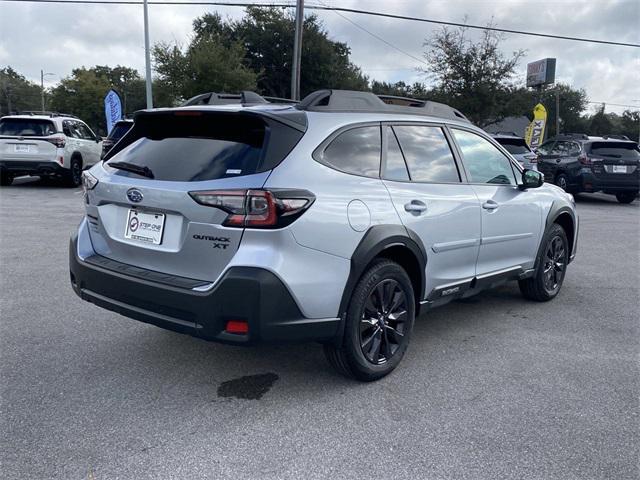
column 85, row 133
column 427, row 153
column 484, row 162
column 395, row 168
column 70, row 130
column 545, row 148
column 356, row 151
column 566, row 149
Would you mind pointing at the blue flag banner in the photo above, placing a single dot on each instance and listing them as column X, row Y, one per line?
column 112, row 109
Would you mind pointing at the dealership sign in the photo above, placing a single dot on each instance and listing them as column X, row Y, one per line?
column 541, row 72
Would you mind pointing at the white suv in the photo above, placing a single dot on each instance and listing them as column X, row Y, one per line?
column 46, row 144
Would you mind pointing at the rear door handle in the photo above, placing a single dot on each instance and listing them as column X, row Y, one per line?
column 415, row 206
column 490, row 205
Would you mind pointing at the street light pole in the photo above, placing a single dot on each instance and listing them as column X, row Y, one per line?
column 297, row 51
column 147, row 55
column 42, row 75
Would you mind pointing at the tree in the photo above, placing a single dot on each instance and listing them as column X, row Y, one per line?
column 472, row 77
column 266, row 34
column 600, row 124
column 209, row 63
column 630, row 124
column 17, row 93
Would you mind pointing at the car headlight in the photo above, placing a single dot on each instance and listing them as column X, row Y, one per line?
column 89, row 182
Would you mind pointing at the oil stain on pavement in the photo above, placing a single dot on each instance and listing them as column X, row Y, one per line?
column 251, row 387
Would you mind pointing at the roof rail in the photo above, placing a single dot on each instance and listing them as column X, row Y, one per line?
column 244, row 98
column 615, row 137
column 355, row 101
column 45, row 113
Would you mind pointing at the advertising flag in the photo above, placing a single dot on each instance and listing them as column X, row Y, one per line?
column 112, row 109
column 534, row 135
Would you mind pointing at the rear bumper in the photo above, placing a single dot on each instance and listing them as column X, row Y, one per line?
column 612, row 184
column 17, row 168
column 254, row 295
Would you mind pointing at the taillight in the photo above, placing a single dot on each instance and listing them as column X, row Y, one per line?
column 57, row 141
column 257, row 208
column 584, row 159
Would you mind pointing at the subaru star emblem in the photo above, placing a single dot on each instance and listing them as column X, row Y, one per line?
column 134, row 195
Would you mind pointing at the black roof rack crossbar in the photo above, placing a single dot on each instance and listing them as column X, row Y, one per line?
column 354, row 101
column 245, row 98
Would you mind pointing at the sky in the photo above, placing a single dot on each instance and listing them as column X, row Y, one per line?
column 58, row 38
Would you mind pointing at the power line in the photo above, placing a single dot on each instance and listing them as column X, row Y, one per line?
column 614, row 104
column 340, row 9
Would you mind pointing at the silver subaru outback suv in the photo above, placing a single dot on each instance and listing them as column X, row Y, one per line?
column 336, row 220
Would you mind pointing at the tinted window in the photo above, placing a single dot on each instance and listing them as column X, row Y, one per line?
column 484, row 162
column 84, row 131
column 514, row 145
column 545, row 148
column 566, row 148
column 26, row 127
column 615, row 150
column 427, row 153
column 355, row 151
column 395, row 168
column 119, row 130
column 204, row 146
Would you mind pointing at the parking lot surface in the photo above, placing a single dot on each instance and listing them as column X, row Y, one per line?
column 491, row 387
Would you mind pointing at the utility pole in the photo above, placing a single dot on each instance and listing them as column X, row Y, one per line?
column 557, row 111
column 297, row 51
column 147, row 55
column 42, row 75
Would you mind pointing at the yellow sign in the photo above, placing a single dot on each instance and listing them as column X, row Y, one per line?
column 535, row 131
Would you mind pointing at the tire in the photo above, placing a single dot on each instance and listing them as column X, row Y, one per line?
column 73, row 177
column 562, row 181
column 552, row 262
column 376, row 333
column 626, row 197
column 5, row 179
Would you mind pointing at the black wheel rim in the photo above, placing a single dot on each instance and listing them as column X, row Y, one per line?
column 555, row 263
column 75, row 172
column 562, row 183
column 383, row 322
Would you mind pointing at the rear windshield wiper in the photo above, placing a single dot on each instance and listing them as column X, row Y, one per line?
column 131, row 167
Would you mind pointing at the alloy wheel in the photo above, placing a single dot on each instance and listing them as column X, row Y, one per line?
column 555, row 263
column 383, row 322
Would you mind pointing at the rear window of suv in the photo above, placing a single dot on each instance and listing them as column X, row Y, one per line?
column 26, row 127
column 614, row 150
column 194, row 146
column 514, row 145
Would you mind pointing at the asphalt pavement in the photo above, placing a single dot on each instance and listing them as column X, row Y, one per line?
column 492, row 387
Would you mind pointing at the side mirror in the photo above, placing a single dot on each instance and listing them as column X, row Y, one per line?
column 531, row 179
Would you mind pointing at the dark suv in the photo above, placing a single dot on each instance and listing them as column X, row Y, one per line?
column 117, row 132
column 579, row 163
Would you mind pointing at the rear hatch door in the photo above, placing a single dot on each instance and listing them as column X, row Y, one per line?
column 154, row 223
column 615, row 161
column 28, row 140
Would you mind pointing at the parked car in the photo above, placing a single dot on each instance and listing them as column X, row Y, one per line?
column 117, row 132
column 579, row 163
column 518, row 148
column 337, row 220
column 48, row 145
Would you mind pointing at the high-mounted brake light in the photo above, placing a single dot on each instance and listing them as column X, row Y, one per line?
column 257, row 208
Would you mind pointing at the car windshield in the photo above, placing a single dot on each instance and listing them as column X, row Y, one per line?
column 615, row 150
column 26, row 127
column 514, row 145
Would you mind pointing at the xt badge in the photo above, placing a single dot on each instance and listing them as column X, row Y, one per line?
column 218, row 242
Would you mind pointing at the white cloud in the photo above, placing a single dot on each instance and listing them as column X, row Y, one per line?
column 58, row 37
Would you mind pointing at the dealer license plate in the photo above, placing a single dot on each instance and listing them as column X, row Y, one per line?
column 145, row 227
column 21, row 148
column 619, row 169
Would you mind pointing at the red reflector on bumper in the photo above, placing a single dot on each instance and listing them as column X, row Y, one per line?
column 237, row 326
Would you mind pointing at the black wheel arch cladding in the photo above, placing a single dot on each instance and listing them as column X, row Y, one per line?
column 391, row 239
